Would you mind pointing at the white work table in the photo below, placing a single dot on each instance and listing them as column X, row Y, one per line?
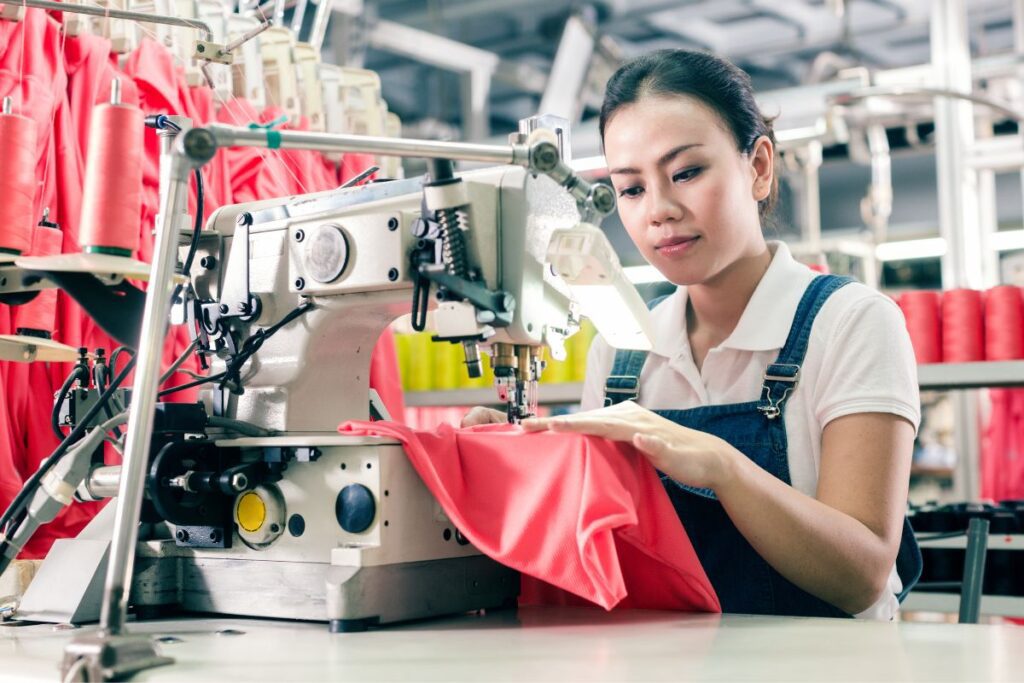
column 555, row 644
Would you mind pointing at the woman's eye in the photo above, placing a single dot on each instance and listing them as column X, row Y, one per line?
column 630, row 191
column 687, row 174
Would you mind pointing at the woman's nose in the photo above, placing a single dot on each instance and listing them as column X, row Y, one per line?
column 662, row 206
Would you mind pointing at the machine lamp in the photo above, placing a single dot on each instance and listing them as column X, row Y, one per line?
column 583, row 257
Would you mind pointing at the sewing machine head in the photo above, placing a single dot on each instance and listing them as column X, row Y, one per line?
column 472, row 249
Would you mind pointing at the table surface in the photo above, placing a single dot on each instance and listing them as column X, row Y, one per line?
column 554, row 644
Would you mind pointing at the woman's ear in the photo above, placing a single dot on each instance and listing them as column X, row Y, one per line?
column 762, row 167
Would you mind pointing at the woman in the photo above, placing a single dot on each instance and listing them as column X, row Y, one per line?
column 780, row 407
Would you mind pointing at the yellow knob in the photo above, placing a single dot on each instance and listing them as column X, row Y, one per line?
column 251, row 512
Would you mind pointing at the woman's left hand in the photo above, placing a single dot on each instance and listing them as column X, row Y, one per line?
column 689, row 456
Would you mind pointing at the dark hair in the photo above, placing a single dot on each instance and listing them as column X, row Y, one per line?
column 718, row 84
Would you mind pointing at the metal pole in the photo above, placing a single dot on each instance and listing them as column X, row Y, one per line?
column 119, row 14
column 320, row 19
column 954, row 134
column 974, row 571
column 144, row 390
column 140, row 423
column 231, row 136
column 962, row 266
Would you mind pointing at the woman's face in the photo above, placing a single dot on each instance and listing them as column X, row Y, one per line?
column 687, row 196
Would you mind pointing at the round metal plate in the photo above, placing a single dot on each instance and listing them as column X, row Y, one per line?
column 326, row 253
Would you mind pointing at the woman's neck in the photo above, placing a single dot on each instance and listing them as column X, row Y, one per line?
column 715, row 306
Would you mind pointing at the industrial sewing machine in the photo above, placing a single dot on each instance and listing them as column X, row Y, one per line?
column 292, row 519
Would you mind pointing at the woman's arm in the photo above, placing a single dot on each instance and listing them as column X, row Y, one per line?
column 839, row 546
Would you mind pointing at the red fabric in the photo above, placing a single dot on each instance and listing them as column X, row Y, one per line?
column 586, row 515
column 385, row 376
column 1002, row 447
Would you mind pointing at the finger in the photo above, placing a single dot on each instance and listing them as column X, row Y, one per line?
column 480, row 416
column 650, row 445
column 535, row 424
column 606, row 427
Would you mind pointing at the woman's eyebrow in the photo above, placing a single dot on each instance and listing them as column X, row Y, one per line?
column 665, row 158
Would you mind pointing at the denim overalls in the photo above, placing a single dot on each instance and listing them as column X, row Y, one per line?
column 745, row 583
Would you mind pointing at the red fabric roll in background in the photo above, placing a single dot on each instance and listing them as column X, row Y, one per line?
column 1004, row 323
column 112, row 201
column 17, row 181
column 963, row 326
column 921, row 311
column 39, row 314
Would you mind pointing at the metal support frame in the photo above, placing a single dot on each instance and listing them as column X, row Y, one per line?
column 974, row 571
column 475, row 66
column 110, row 643
column 959, row 205
column 105, row 12
column 232, row 136
column 569, row 71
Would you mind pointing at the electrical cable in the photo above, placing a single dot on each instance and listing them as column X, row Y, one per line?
column 249, row 348
column 244, row 428
column 116, row 354
column 76, row 374
column 189, row 385
column 179, row 361
column 17, row 505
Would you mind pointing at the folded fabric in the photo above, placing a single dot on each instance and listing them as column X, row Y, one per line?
column 583, row 514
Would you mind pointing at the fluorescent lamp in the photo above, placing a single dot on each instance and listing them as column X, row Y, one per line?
column 583, row 257
column 932, row 247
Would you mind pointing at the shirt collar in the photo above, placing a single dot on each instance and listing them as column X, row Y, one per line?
column 765, row 322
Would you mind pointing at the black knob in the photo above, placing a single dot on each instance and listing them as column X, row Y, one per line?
column 355, row 508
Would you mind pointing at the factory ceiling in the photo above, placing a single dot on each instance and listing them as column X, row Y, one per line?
column 780, row 42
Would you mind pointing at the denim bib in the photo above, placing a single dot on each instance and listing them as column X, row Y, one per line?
column 745, row 582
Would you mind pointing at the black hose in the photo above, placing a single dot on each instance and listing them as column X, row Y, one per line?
column 17, row 505
column 77, row 373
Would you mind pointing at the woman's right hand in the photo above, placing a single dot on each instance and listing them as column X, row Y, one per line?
column 483, row 416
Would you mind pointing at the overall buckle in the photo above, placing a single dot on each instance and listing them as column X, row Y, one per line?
column 788, row 373
column 627, row 393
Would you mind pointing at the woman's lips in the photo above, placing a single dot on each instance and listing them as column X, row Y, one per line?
column 676, row 246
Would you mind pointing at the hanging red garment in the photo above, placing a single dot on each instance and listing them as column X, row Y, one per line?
column 1002, row 447
column 584, row 514
column 254, row 174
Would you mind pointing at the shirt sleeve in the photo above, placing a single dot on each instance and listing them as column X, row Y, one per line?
column 868, row 365
column 599, row 365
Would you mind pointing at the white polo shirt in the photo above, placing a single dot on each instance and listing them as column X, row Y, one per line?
column 859, row 360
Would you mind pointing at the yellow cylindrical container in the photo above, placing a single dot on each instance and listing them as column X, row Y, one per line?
column 421, row 362
column 402, row 346
column 448, row 365
column 579, row 346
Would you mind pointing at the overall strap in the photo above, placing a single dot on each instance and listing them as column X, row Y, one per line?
column 623, row 384
column 782, row 376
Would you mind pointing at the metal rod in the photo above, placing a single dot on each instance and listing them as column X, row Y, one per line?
column 245, row 37
column 115, row 91
column 231, row 136
column 104, row 482
column 297, row 16
column 902, row 91
column 974, row 571
column 278, row 15
column 119, row 14
column 144, row 390
column 8, row 105
column 320, row 19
